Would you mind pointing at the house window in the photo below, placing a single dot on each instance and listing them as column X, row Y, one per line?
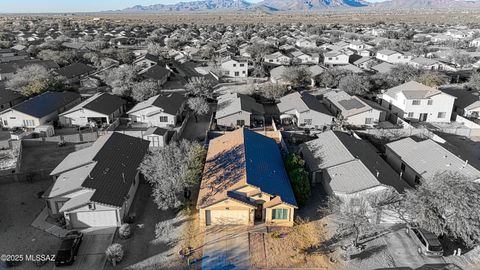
column 163, row 119
column 243, row 72
column 390, row 106
column 234, row 65
column 91, row 206
column 307, row 121
column 242, row 65
column 330, row 58
column 368, row 121
column 28, row 123
column 240, row 123
column 430, row 102
column 416, row 102
column 5, row 122
column 271, row 60
column 410, row 115
column 237, row 73
column 280, row 213
column 417, row 179
column 402, row 167
column 441, row 115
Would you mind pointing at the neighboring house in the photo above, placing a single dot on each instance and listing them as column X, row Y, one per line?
column 9, row 98
column 39, row 110
column 305, row 43
column 348, row 166
column 157, row 136
column 425, row 63
column 315, row 72
column 303, row 58
column 95, row 186
column 146, row 60
column 393, row 57
column 238, row 110
column 244, row 181
column 277, row 58
column 467, row 102
column 156, row 73
column 335, row 58
column 364, row 62
column 74, row 72
column 357, row 45
column 234, row 67
column 416, row 160
column 352, row 109
column 163, row 110
column 99, row 109
column 383, row 67
column 304, row 110
column 418, row 102
column 276, row 75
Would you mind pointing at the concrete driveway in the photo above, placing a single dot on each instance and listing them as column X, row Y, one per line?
column 91, row 254
column 404, row 250
column 226, row 247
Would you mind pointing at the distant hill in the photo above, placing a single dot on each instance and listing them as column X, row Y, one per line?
column 298, row 5
column 406, row 4
column 270, row 5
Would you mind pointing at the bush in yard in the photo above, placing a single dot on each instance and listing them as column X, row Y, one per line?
column 298, row 178
column 114, row 253
column 125, row 231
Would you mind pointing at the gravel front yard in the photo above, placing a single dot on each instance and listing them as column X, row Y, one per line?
column 20, row 206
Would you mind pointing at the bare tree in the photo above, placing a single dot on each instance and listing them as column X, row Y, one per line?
column 173, row 169
column 199, row 106
column 144, row 90
column 32, row 80
column 200, row 86
column 351, row 216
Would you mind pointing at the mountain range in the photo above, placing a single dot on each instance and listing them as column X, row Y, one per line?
column 297, row 5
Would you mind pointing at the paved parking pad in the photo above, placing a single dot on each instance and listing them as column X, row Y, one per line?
column 226, row 247
column 91, row 254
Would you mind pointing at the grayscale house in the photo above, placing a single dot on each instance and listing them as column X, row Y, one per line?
column 238, row 110
column 95, row 186
column 99, row 109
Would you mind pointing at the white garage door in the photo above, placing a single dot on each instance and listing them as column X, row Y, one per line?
column 222, row 217
column 93, row 219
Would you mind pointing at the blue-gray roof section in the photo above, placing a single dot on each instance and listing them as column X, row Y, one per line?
column 265, row 168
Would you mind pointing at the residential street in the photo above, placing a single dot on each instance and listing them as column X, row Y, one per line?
column 226, row 247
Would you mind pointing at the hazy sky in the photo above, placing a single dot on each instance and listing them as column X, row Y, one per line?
column 38, row 6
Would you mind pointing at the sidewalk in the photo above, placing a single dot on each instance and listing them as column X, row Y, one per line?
column 41, row 223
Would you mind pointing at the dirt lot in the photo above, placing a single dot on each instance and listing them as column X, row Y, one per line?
column 43, row 155
column 20, row 206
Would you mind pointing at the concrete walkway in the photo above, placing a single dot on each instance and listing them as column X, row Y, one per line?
column 41, row 223
column 226, row 247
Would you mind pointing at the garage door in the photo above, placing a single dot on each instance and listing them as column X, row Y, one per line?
column 223, row 217
column 93, row 219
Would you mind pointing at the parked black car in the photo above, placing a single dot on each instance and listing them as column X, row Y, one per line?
column 67, row 253
column 427, row 242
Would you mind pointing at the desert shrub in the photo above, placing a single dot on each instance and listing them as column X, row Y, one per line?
column 125, row 231
column 275, row 234
column 298, row 178
column 114, row 253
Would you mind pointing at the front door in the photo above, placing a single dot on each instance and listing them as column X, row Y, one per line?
column 259, row 210
column 423, row 117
